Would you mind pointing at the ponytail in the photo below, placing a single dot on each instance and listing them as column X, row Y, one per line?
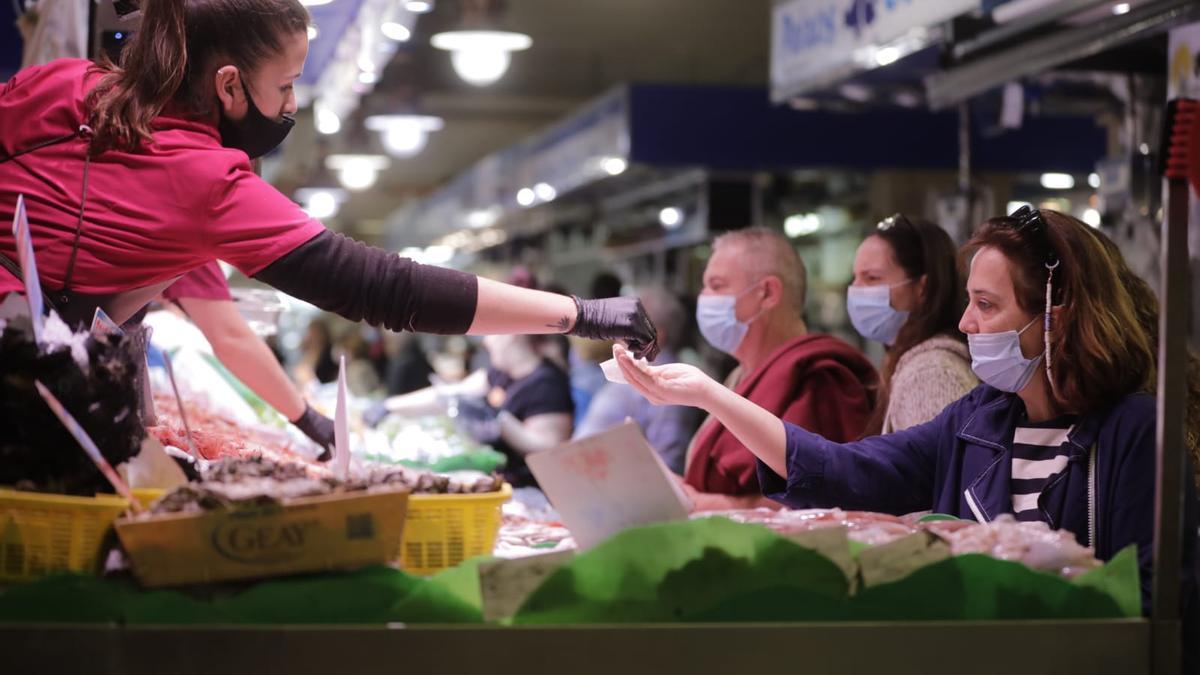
column 128, row 99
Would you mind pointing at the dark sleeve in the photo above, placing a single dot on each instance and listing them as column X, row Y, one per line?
column 363, row 283
column 547, row 391
column 892, row 473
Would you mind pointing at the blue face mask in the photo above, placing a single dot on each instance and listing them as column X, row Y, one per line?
column 996, row 358
column 872, row 314
column 717, row 318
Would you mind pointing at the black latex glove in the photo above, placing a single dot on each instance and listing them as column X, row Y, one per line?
column 319, row 428
column 477, row 419
column 621, row 319
column 377, row 413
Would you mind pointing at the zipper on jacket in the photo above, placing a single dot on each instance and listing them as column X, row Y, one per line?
column 1091, row 497
column 971, row 503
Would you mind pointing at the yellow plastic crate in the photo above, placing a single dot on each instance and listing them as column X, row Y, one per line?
column 44, row 533
column 444, row 530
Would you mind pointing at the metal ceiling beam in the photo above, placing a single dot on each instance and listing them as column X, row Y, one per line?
column 1025, row 23
column 1041, row 54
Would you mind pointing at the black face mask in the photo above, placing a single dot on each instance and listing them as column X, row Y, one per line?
column 255, row 134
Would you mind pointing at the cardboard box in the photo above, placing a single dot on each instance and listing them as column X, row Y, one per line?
column 312, row 534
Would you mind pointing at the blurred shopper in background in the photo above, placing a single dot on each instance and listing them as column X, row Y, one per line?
column 316, row 364
column 407, row 368
column 667, row 428
column 908, row 294
column 585, row 355
column 361, row 377
column 752, row 308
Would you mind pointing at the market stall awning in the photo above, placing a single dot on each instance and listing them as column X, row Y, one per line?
column 817, row 43
column 1043, row 40
column 664, row 128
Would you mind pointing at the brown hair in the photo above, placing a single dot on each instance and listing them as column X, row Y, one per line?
column 1099, row 350
column 172, row 57
column 921, row 248
column 1145, row 303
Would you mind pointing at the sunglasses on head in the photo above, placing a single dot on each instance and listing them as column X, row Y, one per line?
column 1029, row 221
column 894, row 220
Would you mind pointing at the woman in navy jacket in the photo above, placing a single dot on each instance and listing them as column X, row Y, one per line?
column 1062, row 430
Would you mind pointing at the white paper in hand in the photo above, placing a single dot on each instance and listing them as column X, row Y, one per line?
column 612, row 371
column 609, row 482
column 29, row 272
column 341, row 433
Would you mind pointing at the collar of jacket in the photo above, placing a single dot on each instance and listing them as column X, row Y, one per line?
column 992, row 423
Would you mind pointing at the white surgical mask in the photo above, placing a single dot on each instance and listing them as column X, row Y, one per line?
column 717, row 318
column 996, row 358
column 871, row 312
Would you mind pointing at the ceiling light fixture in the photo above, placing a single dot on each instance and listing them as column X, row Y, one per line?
column 327, row 121
column 614, row 166
column 357, row 172
column 396, row 32
column 419, row 6
column 404, row 135
column 1058, row 181
column 801, row 224
column 481, row 57
column 321, row 202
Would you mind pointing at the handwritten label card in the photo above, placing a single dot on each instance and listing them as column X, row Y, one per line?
column 29, row 272
column 609, row 482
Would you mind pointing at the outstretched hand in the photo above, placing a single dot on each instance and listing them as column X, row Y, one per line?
column 672, row 384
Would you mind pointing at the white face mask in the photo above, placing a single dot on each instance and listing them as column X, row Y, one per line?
column 717, row 318
column 871, row 312
column 997, row 359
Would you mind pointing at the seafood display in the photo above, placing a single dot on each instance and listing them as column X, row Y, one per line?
column 1033, row 544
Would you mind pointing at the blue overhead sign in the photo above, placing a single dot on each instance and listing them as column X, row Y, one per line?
column 815, row 43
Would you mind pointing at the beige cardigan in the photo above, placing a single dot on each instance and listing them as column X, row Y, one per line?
column 930, row 376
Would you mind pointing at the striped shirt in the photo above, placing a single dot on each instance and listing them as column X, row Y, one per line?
column 1039, row 457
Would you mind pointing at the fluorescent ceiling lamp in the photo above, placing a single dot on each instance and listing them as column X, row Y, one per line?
column 1094, row 180
column 404, row 135
column 315, row 3
column 670, row 217
column 1092, row 217
column 545, row 192
column 481, row 57
column 887, row 56
column 480, row 218
column 801, row 224
column 614, row 166
column 1120, row 8
column 525, row 197
column 438, row 255
column 322, row 202
column 1058, row 181
column 395, row 31
column 328, row 121
column 357, row 172
column 419, row 6
column 312, row 31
